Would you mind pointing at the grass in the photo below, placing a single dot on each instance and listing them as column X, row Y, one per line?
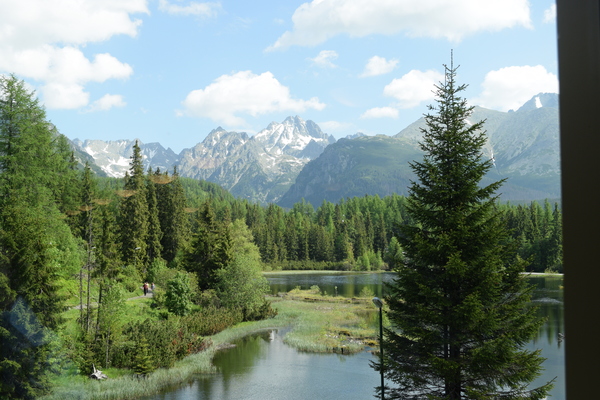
column 318, row 324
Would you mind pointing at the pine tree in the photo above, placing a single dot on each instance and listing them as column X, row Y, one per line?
column 210, row 249
column 143, row 362
column 173, row 219
column 459, row 305
column 154, row 227
column 37, row 248
column 134, row 215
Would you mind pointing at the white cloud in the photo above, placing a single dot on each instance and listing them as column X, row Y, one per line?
column 324, row 59
column 41, row 39
column 380, row 112
column 550, row 14
column 320, row 20
column 331, row 127
column 509, row 88
column 413, row 88
column 243, row 93
column 379, row 66
column 193, row 8
column 64, row 95
column 107, row 102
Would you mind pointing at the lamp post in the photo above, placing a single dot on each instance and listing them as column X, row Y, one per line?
column 379, row 304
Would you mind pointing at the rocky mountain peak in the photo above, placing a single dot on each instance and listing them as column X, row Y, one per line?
column 540, row 100
column 291, row 136
column 113, row 156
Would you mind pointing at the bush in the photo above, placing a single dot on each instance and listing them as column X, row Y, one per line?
column 211, row 320
column 130, row 278
column 178, row 297
column 156, row 270
column 169, row 340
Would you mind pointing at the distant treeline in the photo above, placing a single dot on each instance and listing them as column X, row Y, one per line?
column 359, row 233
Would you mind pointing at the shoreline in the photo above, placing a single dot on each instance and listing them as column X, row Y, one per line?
column 292, row 313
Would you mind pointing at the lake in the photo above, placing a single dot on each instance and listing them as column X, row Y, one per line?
column 263, row 367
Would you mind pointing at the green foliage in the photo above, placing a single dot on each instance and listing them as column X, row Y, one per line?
column 168, row 340
column 393, row 255
column 211, row 248
column 154, row 228
column 134, row 215
column 366, row 292
column 178, row 298
column 130, row 278
column 110, row 323
column 459, row 305
column 240, row 284
column 156, row 269
column 24, row 353
column 143, row 364
column 211, row 320
column 37, row 250
column 172, row 216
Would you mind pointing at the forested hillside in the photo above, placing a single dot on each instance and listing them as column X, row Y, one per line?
column 74, row 247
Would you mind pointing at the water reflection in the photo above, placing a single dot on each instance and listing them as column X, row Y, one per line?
column 347, row 284
column 548, row 296
column 263, row 367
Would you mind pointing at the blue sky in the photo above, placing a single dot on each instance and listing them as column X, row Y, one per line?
column 170, row 71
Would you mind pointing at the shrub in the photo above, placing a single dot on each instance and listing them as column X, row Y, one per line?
column 178, row 297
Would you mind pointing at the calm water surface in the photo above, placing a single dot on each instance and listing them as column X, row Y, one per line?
column 263, row 367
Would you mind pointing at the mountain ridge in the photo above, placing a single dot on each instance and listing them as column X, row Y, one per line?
column 295, row 159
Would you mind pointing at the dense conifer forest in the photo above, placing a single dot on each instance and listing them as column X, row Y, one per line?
column 74, row 247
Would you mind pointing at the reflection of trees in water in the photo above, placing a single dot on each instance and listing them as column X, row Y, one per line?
column 348, row 285
column 548, row 297
column 243, row 356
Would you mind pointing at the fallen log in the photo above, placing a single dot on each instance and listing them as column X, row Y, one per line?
column 97, row 374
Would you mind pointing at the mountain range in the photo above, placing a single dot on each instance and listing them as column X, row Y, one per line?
column 295, row 159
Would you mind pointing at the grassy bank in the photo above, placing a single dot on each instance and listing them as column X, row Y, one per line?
column 318, row 324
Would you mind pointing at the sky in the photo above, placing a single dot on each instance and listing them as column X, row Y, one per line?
column 171, row 71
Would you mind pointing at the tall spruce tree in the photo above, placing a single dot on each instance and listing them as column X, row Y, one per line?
column 173, row 218
column 210, row 249
column 154, row 227
column 459, row 305
column 134, row 215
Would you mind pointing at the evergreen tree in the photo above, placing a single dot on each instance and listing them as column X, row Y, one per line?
column 143, row 362
column 459, row 305
column 154, row 227
column 173, row 219
column 178, row 297
column 134, row 215
column 37, row 249
column 210, row 249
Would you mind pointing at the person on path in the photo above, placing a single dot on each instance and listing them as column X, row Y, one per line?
column 145, row 288
column 152, row 287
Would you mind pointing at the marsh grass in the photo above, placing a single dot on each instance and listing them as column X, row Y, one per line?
column 320, row 324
